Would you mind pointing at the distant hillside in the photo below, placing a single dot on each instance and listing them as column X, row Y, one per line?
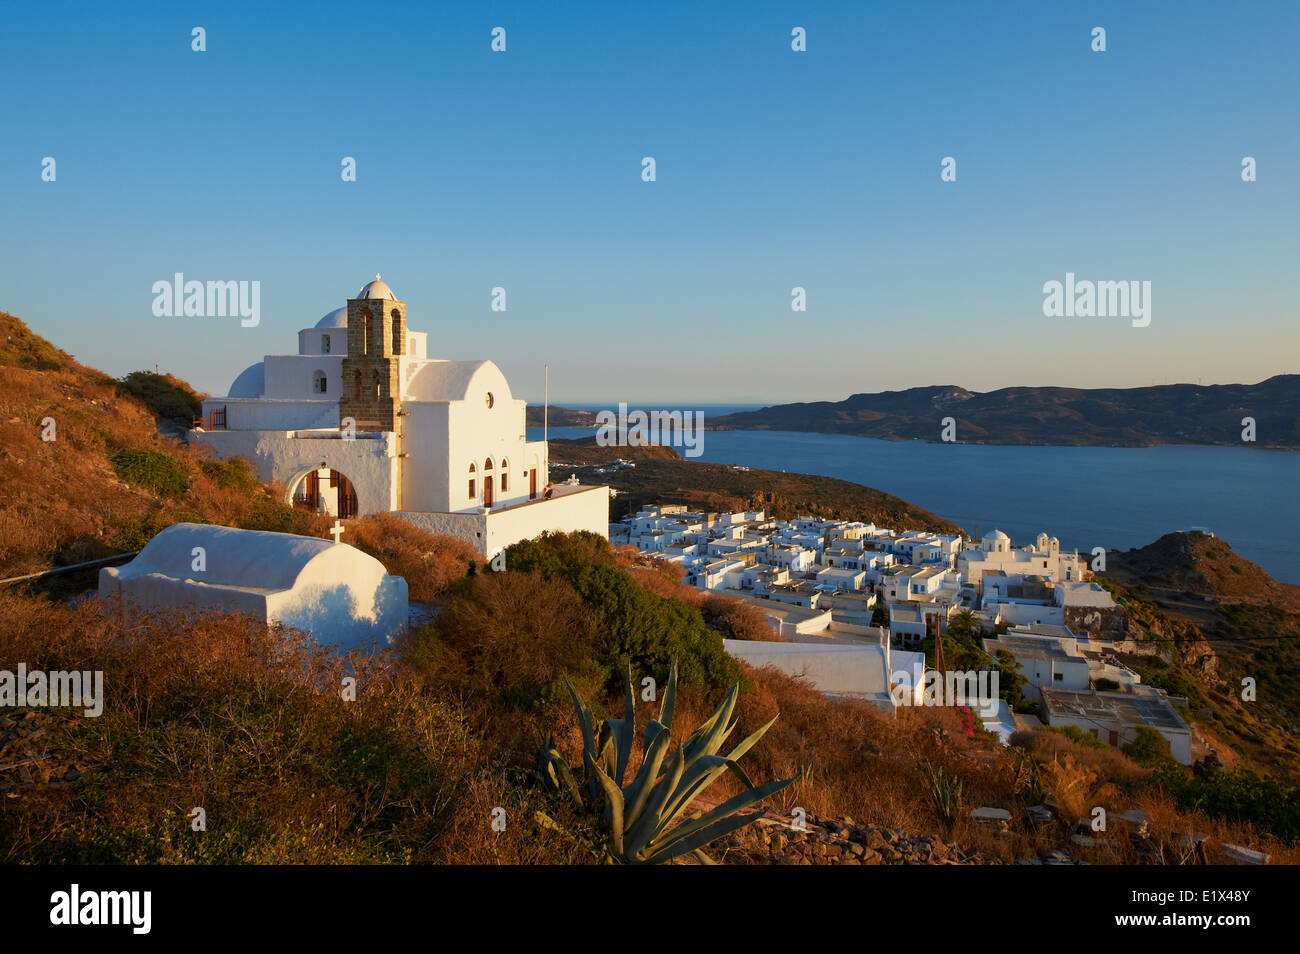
column 662, row 475
column 1129, row 417
column 1227, row 619
column 559, row 417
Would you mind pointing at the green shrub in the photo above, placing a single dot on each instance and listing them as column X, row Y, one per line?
column 1105, row 685
column 163, row 394
column 154, row 470
column 646, row 629
column 233, row 474
column 1237, row 796
column 1148, row 748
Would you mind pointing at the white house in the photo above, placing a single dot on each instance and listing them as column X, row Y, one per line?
column 334, row 591
column 841, row 578
column 361, row 421
column 1048, row 662
column 1115, row 717
column 860, row 671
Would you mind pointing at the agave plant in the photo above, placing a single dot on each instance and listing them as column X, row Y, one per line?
column 642, row 817
column 945, row 794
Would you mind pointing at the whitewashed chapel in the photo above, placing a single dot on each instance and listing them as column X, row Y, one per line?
column 362, row 421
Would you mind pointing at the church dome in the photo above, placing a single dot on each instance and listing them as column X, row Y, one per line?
column 439, row 381
column 338, row 318
column 250, row 383
column 996, row 535
column 376, row 289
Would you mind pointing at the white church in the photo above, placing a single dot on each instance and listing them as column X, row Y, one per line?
column 362, row 421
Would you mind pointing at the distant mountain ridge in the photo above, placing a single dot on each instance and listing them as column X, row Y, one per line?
column 1126, row 417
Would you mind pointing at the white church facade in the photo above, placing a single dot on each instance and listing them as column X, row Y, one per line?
column 362, row 421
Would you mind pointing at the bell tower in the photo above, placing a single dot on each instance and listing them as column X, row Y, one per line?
column 371, row 393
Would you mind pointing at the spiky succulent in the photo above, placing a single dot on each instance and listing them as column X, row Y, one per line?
column 646, row 820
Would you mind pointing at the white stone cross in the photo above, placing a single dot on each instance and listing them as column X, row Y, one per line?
column 337, row 530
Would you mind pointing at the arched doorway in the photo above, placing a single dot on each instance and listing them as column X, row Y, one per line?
column 487, row 482
column 325, row 490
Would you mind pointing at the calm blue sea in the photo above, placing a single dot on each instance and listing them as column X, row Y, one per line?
column 1115, row 497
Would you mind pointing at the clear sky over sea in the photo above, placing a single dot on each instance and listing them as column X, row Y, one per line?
column 774, row 169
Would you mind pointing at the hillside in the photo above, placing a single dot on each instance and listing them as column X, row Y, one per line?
column 106, row 480
column 1128, row 417
column 1226, row 619
column 662, row 475
column 536, row 415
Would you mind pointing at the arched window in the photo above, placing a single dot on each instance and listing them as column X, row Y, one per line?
column 324, row 344
column 473, row 489
column 487, row 464
column 505, row 477
column 397, row 331
column 365, row 330
column 318, row 382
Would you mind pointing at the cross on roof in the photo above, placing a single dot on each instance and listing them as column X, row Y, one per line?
column 337, row 530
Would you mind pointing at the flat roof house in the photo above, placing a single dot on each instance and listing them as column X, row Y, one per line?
column 1115, row 717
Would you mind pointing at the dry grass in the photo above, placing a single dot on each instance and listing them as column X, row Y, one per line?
column 429, row 563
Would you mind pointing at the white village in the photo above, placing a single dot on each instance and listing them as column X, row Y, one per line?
column 852, row 602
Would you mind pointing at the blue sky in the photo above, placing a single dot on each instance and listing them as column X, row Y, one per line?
column 774, row 169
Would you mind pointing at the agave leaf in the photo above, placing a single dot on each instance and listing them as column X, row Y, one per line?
column 557, row 765
column 732, row 805
column 624, row 730
column 702, row 857
column 650, row 824
column 608, row 746
column 742, row 747
column 702, row 774
column 708, row 737
column 696, row 840
column 639, row 791
column 588, row 737
column 670, row 698
column 652, row 730
column 614, row 802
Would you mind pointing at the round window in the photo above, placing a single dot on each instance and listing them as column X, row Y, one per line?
column 489, row 399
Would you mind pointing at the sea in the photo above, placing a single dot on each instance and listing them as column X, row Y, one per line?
column 1112, row 497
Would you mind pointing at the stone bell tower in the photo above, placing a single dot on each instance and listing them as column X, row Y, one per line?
column 371, row 393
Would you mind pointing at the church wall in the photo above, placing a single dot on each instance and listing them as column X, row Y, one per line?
column 370, row 463
column 587, row 509
column 535, row 455
column 478, row 433
column 310, row 341
column 463, row 526
column 252, row 414
column 156, row 592
column 290, row 375
column 425, row 474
